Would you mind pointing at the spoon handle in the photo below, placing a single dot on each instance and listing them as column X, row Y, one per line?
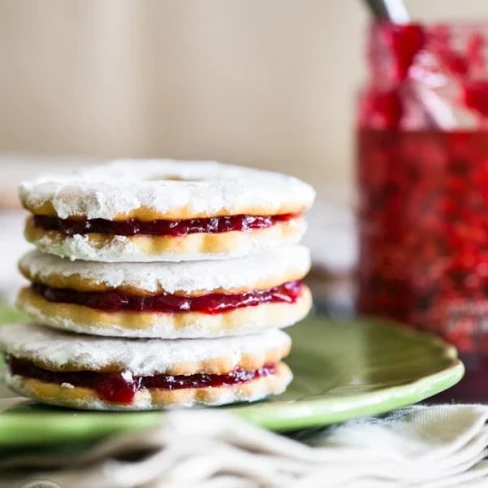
column 392, row 10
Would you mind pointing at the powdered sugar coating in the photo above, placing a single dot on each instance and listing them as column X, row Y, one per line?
column 175, row 277
column 202, row 188
column 139, row 356
column 121, row 249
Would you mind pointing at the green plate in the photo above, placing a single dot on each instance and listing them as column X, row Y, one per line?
column 342, row 370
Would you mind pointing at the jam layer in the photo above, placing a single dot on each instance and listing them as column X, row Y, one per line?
column 212, row 303
column 122, row 387
column 131, row 227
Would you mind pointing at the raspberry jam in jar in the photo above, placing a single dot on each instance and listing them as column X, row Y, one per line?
column 423, row 180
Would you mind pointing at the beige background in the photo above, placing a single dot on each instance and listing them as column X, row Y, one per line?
column 268, row 83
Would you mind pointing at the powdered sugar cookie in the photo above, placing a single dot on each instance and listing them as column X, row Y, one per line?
column 89, row 372
column 164, row 210
column 168, row 300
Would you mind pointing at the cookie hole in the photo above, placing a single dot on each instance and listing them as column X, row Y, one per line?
column 171, row 178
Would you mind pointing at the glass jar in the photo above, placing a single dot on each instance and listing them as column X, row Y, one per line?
column 423, row 180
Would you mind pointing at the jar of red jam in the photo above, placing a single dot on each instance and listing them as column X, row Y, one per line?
column 423, row 180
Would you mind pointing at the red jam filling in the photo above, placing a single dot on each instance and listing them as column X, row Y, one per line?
column 213, row 303
column 121, row 388
column 132, row 227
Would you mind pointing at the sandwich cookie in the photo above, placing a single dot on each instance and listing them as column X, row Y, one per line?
column 163, row 210
column 87, row 372
column 168, row 300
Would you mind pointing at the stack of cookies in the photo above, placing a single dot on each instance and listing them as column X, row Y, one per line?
column 159, row 283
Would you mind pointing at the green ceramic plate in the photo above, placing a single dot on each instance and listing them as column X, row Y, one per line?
column 342, row 370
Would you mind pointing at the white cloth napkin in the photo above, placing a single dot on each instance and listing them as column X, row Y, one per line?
column 419, row 446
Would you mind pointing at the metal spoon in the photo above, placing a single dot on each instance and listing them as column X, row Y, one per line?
column 438, row 113
column 392, row 10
